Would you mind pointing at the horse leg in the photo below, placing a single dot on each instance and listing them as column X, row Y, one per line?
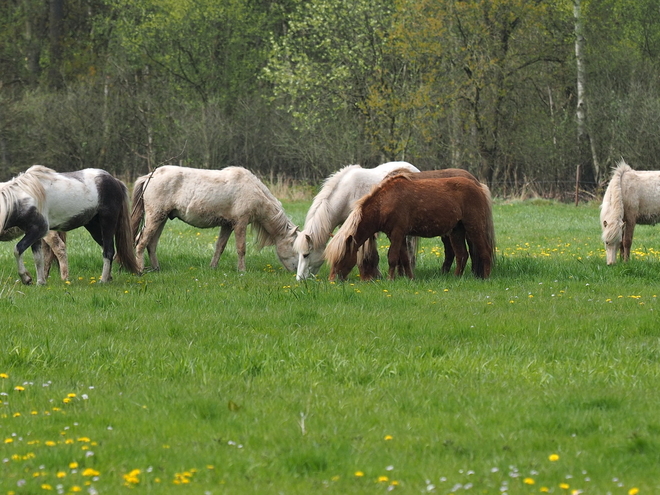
column 411, row 245
column 394, row 254
column 405, row 265
column 102, row 230
column 368, row 260
column 225, row 231
column 449, row 254
column 457, row 246
column 240, row 231
column 626, row 241
column 32, row 238
column 55, row 247
column 148, row 239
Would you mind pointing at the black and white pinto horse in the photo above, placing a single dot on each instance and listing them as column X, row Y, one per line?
column 41, row 199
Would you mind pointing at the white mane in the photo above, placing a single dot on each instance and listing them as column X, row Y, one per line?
column 28, row 182
column 319, row 219
column 611, row 213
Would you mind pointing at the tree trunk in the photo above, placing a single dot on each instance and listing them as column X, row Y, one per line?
column 588, row 160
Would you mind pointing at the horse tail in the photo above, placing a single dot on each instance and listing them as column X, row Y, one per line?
column 336, row 248
column 137, row 215
column 611, row 210
column 123, row 236
column 490, row 225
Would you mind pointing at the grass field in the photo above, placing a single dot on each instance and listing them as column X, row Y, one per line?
column 543, row 378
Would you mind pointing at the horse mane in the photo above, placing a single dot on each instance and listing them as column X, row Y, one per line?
column 336, row 248
column 28, row 182
column 279, row 221
column 611, row 213
column 321, row 211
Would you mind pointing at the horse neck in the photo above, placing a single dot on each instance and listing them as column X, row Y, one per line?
column 272, row 223
column 369, row 224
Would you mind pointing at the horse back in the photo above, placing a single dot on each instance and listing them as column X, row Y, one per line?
column 640, row 191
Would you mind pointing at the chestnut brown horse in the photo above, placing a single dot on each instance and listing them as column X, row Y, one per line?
column 443, row 174
column 400, row 206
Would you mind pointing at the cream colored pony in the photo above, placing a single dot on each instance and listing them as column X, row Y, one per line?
column 631, row 197
column 231, row 198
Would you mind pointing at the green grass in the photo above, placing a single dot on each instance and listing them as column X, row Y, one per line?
column 255, row 383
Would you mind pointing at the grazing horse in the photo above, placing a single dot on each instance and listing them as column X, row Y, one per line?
column 631, row 198
column 400, row 206
column 53, row 245
column 331, row 206
column 41, row 199
column 231, row 198
column 443, row 174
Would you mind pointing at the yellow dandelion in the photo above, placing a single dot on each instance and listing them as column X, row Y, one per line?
column 633, row 491
column 46, row 486
column 90, row 472
column 18, row 388
column 564, row 486
column 9, row 440
column 4, row 375
column 359, row 474
column 545, row 489
column 61, row 474
column 388, row 437
column 76, row 488
column 529, row 481
column 50, row 443
column 553, row 457
column 73, row 465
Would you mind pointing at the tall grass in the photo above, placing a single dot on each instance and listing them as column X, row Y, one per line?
column 542, row 378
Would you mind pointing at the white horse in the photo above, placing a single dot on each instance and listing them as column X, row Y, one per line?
column 331, row 207
column 40, row 200
column 231, row 198
column 631, row 197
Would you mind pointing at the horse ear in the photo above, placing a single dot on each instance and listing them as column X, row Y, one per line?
column 309, row 241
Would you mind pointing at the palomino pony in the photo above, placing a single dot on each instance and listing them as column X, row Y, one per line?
column 231, row 198
column 53, row 245
column 403, row 207
column 631, row 198
column 41, row 199
column 443, row 174
column 330, row 207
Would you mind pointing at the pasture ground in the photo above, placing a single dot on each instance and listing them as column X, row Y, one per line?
column 544, row 378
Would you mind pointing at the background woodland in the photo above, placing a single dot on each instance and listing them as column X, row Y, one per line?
column 519, row 92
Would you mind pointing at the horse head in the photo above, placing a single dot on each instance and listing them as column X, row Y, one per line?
column 612, row 237
column 342, row 266
column 309, row 259
column 285, row 252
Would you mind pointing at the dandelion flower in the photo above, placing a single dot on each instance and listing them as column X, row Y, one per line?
column 4, row 375
column 633, row 491
column 529, row 481
column 388, row 437
column 564, row 486
column 359, row 474
column 553, row 457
